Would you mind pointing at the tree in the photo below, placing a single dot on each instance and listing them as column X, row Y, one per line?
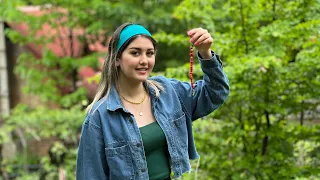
column 262, row 44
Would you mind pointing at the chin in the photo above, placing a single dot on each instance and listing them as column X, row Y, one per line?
column 142, row 79
column 139, row 78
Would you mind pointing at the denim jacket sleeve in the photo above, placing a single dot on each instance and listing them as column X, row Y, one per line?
column 210, row 92
column 91, row 160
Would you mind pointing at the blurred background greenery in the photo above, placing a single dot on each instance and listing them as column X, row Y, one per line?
column 267, row 129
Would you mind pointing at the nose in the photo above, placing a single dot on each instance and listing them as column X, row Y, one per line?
column 143, row 59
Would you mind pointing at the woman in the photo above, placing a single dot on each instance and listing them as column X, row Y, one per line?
column 139, row 127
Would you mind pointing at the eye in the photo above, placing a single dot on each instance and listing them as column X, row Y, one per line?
column 135, row 53
column 150, row 53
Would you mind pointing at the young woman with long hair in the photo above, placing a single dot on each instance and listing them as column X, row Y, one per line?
column 140, row 127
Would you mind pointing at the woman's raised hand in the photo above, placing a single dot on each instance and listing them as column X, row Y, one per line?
column 201, row 39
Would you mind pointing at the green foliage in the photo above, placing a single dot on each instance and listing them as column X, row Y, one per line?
column 44, row 123
column 271, row 64
column 229, row 152
column 68, row 167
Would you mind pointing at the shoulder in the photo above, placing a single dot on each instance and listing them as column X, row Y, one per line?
column 99, row 105
column 160, row 79
column 166, row 82
column 172, row 85
column 94, row 115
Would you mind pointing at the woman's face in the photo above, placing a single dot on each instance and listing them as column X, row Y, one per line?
column 137, row 60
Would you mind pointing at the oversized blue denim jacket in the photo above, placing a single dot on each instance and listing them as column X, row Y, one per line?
column 111, row 145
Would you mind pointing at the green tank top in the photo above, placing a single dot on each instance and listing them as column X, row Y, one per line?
column 156, row 151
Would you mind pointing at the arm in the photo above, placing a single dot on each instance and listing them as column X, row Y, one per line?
column 91, row 160
column 210, row 93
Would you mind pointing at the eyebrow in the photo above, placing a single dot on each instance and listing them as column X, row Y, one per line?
column 140, row 48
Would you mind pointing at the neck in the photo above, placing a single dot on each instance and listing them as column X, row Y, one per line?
column 131, row 90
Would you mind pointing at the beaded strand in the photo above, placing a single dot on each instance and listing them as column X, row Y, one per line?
column 191, row 69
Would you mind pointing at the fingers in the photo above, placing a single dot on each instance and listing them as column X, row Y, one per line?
column 192, row 31
column 205, row 41
column 199, row 36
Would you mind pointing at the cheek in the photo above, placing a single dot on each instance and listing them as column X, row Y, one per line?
column 125, row 63
column 152, row 63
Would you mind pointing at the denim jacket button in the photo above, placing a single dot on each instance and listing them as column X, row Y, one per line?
column 138, row 144
column 143, row 170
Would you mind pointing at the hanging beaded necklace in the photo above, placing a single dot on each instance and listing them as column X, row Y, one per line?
column 191, row 69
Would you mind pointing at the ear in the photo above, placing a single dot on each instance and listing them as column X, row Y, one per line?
column 118, row 62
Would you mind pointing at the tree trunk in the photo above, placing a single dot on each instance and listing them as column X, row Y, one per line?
column 302, row 114
column 266, row 138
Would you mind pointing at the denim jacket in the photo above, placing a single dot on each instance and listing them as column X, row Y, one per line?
column 111, row 145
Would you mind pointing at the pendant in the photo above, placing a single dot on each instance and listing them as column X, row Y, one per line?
column 140, row 114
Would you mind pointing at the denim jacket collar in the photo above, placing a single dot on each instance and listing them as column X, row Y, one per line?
column 113, row 100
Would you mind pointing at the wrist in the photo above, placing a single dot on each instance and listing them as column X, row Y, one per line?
column 205, row 54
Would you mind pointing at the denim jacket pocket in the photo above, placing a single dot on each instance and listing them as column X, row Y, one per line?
column 119, row 162
column 180, row 127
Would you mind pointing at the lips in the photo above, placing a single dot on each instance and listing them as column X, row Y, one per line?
column 142, row 69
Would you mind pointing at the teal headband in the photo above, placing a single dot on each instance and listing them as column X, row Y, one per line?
column 129, row 32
